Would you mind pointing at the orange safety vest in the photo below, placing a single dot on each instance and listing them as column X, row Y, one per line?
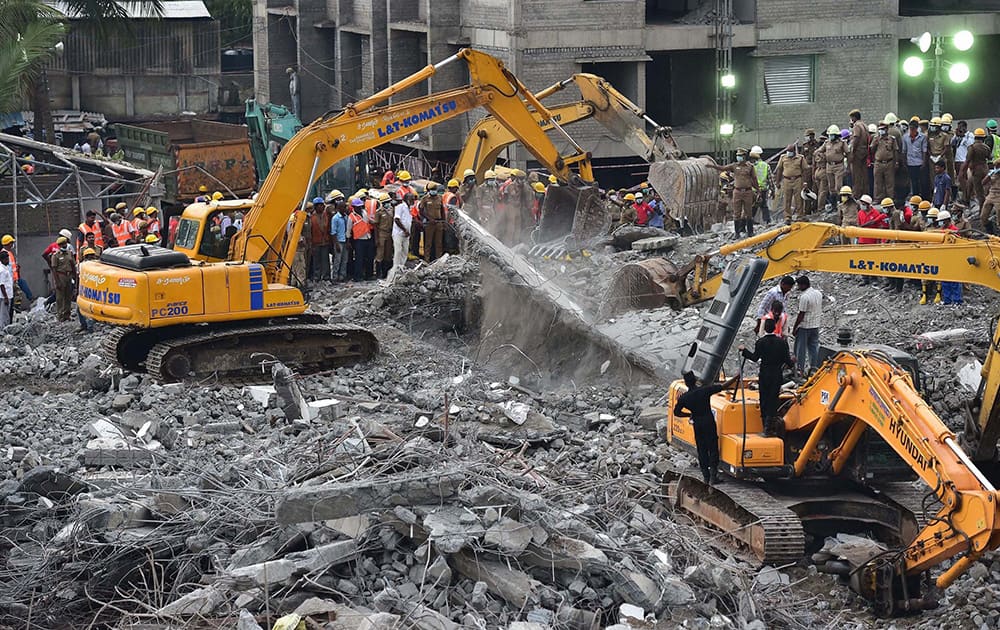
column 360, row 227
column 403, row 189
column 371, row 205
column 153, row 226
column 95, row 230
column 13, row 265
column 122, row 231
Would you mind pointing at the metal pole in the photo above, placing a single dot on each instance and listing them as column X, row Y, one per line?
column 936, row 100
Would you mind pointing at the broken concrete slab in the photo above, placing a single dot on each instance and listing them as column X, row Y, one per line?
column 560, row 552
column 51, row 483
column 516, row 587
column 203, row 601
column 447, row 529
column 509, row 535
column 325, row 410
column 264, row 395
column 104, row 514
column 320, row 558
column 337, row 500
column 269, row 573
column 115, row 452
column 654, row 243
column 649, row 416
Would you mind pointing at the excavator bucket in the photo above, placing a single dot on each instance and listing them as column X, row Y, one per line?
column 574, row 210
column 690, row 189
column 648, row 284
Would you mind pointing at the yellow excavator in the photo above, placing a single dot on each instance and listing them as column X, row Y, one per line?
column 600, row 101
column 178, row 314
column 816, row 469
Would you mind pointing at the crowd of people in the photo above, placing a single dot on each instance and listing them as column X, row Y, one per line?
column 372, row 233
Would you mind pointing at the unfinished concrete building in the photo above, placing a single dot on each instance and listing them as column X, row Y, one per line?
column 792, row 67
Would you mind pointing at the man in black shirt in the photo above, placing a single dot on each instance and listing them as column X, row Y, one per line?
column 697, row 401
column 771, row 351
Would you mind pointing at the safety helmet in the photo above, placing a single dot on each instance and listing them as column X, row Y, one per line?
column 361, row 192
column 915, row 199
column 924, row 121
column 833, row 130
column 403, row 176
column 944, row 215
column 468, row 173
column 317, row 201
column 66, row 234
column 991, row 124
column 946, row 118
column 62, row 240
column 629, row 197
column 490, row 174
column 866, row 199
column 725, row 176
column 216, row 196
column 203, row 188
column 151, row 210
column 846, row 190
column 936, row 120
column 891, row 118
column 933, row 212
column 431, row 186
column 7, row 239
column 517, row 173
column 137, row 211
column 334, row 195
column 384, row 197
column 152, row 238
column 108, row 211
column 121, row 205
column 844, row 134
column 979, row 132
column 453, row 183
column 756, row 150
column 887, row 202
column 882, row 124
column 924, row 205
column 89, row 251
column 553, row 179
column 538, row 187
column 872, row 128
column 357, row 203
column 638, row 196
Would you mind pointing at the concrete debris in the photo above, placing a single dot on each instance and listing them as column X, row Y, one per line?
column 655, row 243
column 214, row 503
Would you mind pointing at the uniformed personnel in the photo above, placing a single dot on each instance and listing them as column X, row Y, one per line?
column 886, row 162
column 745, row 189
column 789, row 172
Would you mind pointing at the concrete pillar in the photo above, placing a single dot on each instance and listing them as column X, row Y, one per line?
column 74, row 82
column 129, row 96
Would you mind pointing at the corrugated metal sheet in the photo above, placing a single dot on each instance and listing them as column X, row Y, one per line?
column 788, row 79
column 172, row 9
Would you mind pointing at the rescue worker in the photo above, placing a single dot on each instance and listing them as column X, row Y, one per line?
column 930, row 288
column 432, row 215
column 153, row 222
column 886, row 160
column 468, row 184
column 628, row 216
column 992, row 183
column 63, row 268
column 90, row 225
column 383, row 235
column 974, row 170
column 452, row 201
column 809, row 146
column 89, row 242
column 993, row 140
column 745, row 189
column 122, row 230
column 765, row 185
column 88, row 253
column 835, row 153
column 946, row 120
column 338, row 238
column 138, row 214
column 962, row 225
column 951, row 292
column 515, row 197
column 848, row 208
column 6, row 290
column 7, row 244
column 202, row 194
column 536, row 206
column 939, row 149
column 789, row 172
column 819, row 174
column 319, row 242
column 858, row 152
column 696, row 403
column 404, row 179
column 771, row 352
column 401, row 234
column 642, row 210
column 360, row 231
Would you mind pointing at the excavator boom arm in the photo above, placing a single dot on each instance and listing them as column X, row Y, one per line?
column 364, row 126
column 871, row 393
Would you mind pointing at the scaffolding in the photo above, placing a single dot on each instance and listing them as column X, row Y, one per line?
column 723, row 20
column 36, row 174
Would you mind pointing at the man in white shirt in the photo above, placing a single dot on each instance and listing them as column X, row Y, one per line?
column 401, row 222
column 6, row 288
column 960, row 144
column 806, row 329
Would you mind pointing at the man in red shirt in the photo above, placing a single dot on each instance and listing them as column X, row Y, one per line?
column 642, row 210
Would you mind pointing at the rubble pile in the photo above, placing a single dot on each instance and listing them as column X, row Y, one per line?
column 436, row 487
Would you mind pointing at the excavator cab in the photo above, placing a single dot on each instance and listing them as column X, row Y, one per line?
column 206, row 229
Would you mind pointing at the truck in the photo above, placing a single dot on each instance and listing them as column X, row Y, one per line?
column 193, row 153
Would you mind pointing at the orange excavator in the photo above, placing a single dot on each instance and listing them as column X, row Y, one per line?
column 819, row 467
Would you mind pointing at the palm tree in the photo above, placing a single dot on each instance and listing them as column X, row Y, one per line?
column 29, row 33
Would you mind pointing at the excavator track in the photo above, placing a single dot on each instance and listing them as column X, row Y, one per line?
column 750, row 518
column 225, row 354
